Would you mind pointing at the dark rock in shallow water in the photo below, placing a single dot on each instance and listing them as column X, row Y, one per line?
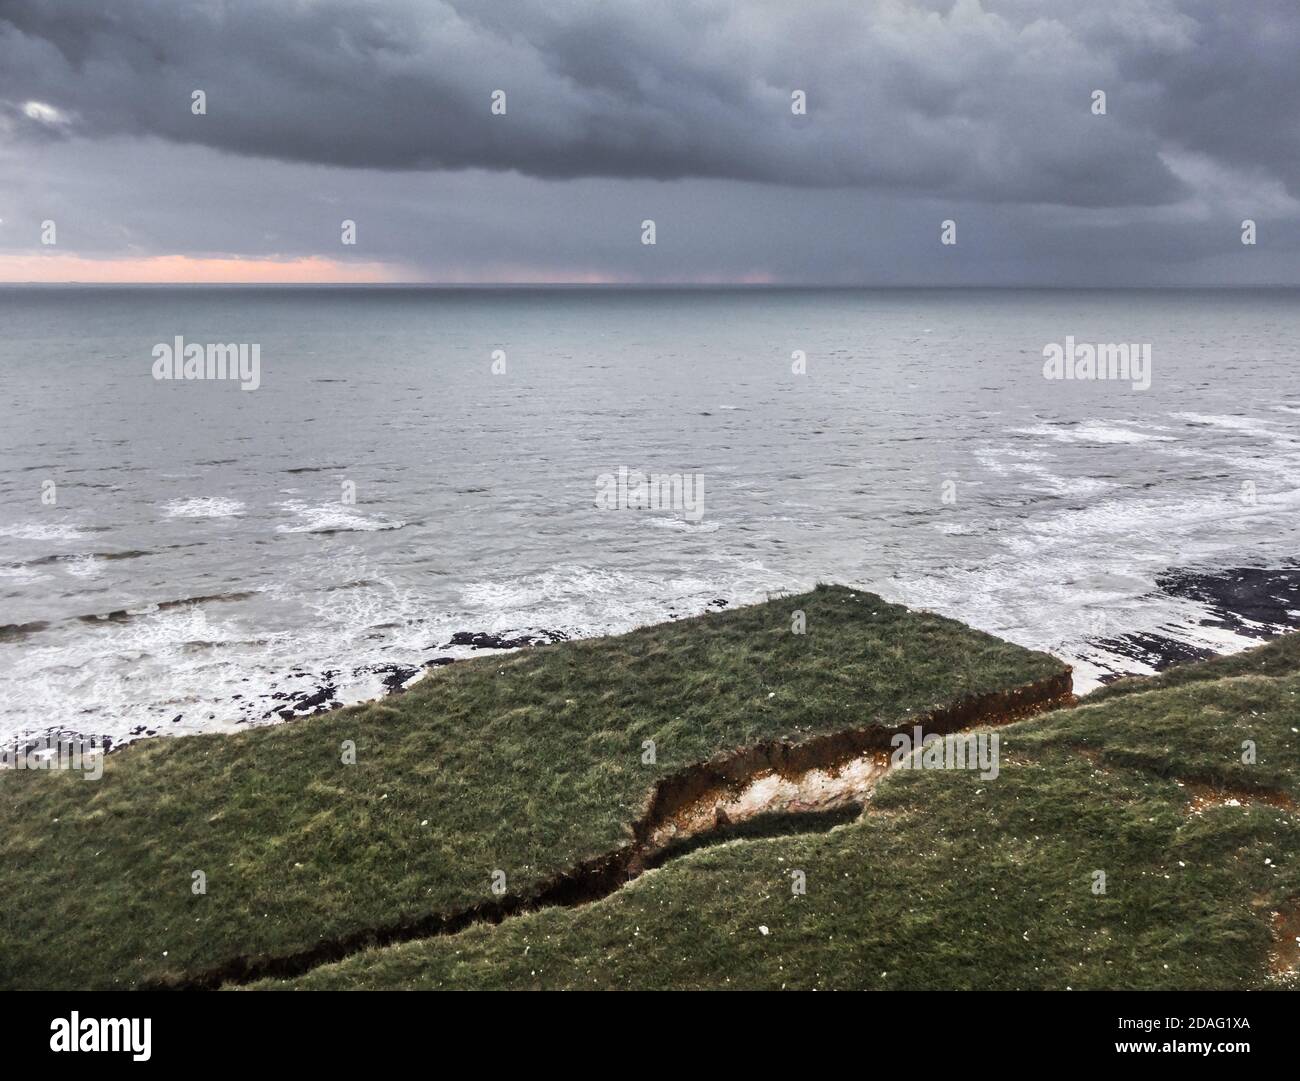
column 318, row 701
column 1251, row 601
column 12, row 632
column 398, row 676
column 393, row 675
column 438, row 662
column 1154, row 650
column 482, row 640
column 305, row 703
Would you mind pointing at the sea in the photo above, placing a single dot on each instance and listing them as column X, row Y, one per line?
column 417, row 477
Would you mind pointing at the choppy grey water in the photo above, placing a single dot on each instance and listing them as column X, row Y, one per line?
column 200, row 568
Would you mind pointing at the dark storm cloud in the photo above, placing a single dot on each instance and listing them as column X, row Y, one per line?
column 987, row 103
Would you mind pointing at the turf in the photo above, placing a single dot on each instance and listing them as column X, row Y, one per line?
column 948, row 881
column 527, row 763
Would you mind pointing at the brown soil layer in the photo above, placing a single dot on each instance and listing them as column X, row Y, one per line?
column 1202, row 796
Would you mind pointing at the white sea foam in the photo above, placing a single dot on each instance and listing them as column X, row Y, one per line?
column 41, row 531
column 19, row 575
column 1009, row 461
column 582, row 601
column 1258, row 427
column 680, row 525
column 1092, row 432
column 331, row 518
column 84, row 566
column 202, row 507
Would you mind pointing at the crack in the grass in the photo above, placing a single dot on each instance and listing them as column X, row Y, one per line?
column 818, row 781
column 1200, row 791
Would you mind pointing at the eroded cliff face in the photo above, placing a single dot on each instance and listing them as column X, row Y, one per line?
column 820, row 774
column 809, row 779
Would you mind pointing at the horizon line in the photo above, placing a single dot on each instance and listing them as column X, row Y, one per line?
column 620, row 286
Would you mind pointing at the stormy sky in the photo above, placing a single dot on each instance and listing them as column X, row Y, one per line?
column 680, row 111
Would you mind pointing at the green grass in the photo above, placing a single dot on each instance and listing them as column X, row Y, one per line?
column 948, row 881
column 529, row 763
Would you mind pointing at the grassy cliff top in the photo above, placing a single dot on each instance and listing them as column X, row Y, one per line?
column 527, row 763
column 1183, row 796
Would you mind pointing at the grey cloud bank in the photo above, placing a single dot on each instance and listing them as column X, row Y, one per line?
column 680, row 111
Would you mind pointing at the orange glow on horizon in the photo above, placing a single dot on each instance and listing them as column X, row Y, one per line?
column 68, row 268
column 51, row 267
